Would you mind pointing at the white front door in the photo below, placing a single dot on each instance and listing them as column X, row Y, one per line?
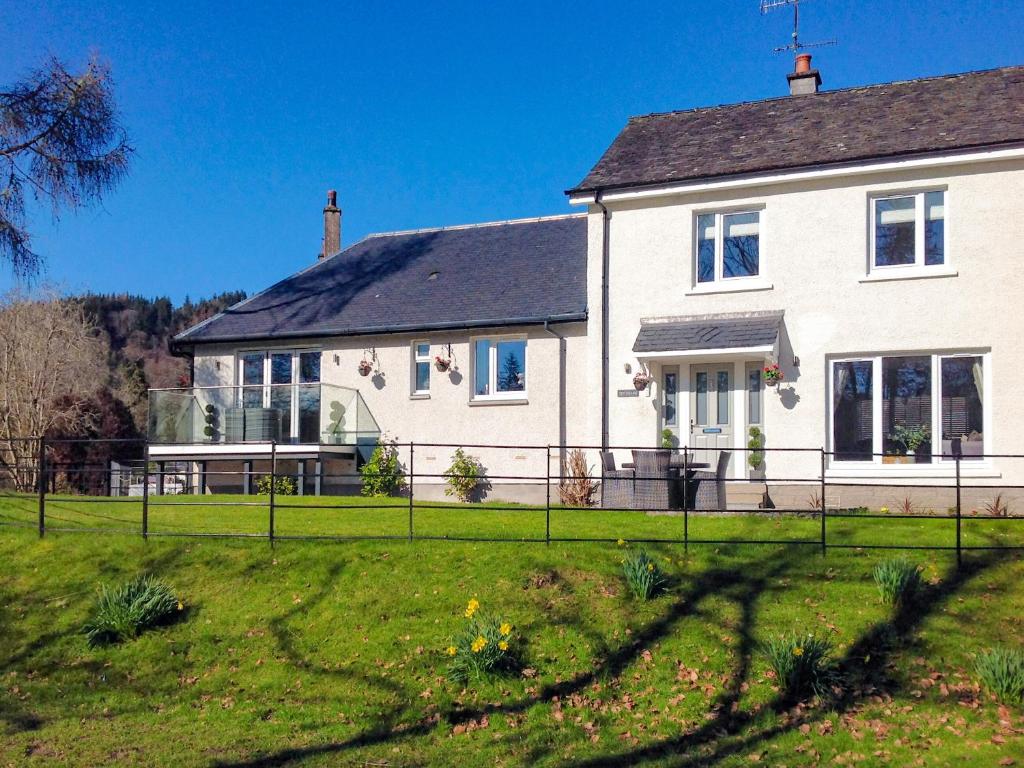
column 711, row 411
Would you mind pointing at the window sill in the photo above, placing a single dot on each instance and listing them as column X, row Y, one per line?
column 735, row 285
column 883, row 274
column 981, row 469
column 477, row 401
column 419, row 396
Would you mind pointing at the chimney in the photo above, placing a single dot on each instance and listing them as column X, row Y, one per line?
column 803, row 79
column 332, row 226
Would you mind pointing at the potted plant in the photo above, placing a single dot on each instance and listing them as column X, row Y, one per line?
column 442, row 363
column 668, row 439
column 772, row 374
column 365, row 367
column 910, row 439
column 755, row 456
column 641, row 380
column 210, row 417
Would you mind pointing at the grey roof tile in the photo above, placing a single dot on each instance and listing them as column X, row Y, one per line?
column 722, row 332
column 954, row 112
column 493, row 274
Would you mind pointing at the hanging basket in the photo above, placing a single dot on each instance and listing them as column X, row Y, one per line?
column 365, row 367
column 641, row 380
column 772, row 374
column 442, row 363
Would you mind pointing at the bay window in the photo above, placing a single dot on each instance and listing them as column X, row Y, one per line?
column 908, row 409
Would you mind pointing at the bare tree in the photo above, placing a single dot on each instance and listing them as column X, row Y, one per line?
column 52, row 359
column 60, row 136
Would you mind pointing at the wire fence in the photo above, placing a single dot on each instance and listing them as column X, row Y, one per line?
column 757, row 496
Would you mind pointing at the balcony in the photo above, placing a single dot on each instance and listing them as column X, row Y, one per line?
column 290, row 414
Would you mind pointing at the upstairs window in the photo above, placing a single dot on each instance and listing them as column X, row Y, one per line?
column 499, row 368
column 421, row 368
column 728, row 246
column 908, row 230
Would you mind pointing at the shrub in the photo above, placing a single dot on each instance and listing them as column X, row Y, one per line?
column 802, row 665
column 283, row 485
column 643, row 576
column 996, row 507
column 382, row 473
column 755, row 458
column 577, row 488
column 1001, row 671
column 483, row 646
column 668, row 440
column 463, row 476
column 898, row 580
column 123, row 612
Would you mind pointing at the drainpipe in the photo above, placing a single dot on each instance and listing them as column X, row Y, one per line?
column 562, row 439
column 605, row 260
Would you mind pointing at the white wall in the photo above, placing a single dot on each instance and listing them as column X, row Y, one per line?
column 449, row 415
column 814, row 253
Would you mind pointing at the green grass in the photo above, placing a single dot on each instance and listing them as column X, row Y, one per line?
column 322, row 653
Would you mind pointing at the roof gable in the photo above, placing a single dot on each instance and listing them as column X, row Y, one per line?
column 954, row 112
column 493, row 274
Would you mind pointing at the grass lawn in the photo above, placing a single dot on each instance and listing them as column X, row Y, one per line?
column 320, row 653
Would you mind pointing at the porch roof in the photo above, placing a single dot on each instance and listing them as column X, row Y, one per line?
column 752, row 332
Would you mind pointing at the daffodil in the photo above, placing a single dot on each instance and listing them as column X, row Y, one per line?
column 479, row 644
column 451, row 650
column 621, row 542
column 471, row 607
column 505, row 629
column 798, row 651
column 650, row 566
column 503, row 645
column 884, row 510
column 181, row 606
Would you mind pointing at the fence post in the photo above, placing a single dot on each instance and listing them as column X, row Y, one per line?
column 547, row 485
column 412, row 477
column 42, row 486
column 823, row 507
column 145, row 492
column 273, row 487
column 686, row 499
column 959, row 552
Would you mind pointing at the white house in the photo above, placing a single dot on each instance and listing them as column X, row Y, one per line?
column 866, row 240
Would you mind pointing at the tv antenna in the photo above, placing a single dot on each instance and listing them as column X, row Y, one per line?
column 796, row 46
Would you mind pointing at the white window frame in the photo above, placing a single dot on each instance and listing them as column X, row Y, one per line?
column 938, row 465
column 720, row 282
column 918, row 268
column 416, row 359
column 492, row 368
column 296, row 353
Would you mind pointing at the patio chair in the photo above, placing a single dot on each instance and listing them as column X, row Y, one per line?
column 655, row 483
column 707, row 487
column 616, row 484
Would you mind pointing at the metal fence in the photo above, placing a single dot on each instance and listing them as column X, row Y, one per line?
column 117, row 486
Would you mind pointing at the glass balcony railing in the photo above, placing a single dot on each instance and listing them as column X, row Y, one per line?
column 303, row 414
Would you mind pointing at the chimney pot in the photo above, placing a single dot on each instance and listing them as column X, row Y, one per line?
column 332, row 226
column 803, row 79
column 803, row 63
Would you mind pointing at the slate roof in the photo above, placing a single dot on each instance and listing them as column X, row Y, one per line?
column 505, row 273
column 708, row 332
column 971, row 110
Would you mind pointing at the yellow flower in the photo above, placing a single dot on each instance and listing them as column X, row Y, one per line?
column 451, row 650
column 884, row 510
column 621, row 542
column 505, row 629
column 798, row 651
column 181, row 606
column 479, row 644
column 650, row 566
column 471, row 607
column 503, row 645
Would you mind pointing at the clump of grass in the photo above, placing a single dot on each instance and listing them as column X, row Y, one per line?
column 125, row 611
column 802, row 665
column 1001, row 671
column 484, row 646
column 643, row 576
column 898, row 580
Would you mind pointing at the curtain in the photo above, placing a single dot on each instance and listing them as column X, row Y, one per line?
column 841, row 374
column 978, row 380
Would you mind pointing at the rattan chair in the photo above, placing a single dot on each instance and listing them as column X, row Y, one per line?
column 616, row 484
column 708, row 488
column 655, row 483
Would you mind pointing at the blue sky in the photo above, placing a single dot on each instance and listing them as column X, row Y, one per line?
column 419, row 114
